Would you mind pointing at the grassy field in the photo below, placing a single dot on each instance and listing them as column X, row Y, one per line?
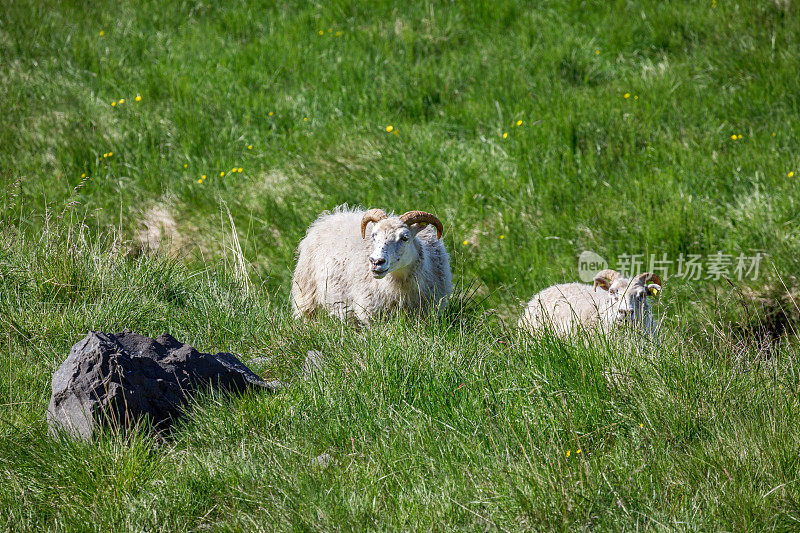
column 216, row 132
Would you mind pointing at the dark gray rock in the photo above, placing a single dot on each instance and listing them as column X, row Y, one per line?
column 118, row 379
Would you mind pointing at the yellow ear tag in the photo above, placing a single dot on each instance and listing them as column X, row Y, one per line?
column 653, row 291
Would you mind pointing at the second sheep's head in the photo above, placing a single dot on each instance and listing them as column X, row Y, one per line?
column 629, row 297
column 393, row 237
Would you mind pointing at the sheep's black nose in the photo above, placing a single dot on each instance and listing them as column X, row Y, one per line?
column 377, row 262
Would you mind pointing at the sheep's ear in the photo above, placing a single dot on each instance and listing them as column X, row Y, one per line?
column 653, row 290
column 605, row 278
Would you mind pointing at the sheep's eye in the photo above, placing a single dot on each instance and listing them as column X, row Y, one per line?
column 404, row 237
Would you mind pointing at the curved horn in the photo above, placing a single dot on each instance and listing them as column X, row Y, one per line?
column 421, row 217
column 648, row 277
column 605, row 278
column 373, row 215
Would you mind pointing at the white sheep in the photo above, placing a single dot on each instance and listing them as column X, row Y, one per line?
column 573, row 307
column 349, row 272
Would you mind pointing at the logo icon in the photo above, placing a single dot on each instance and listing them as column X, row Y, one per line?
column 589, row 264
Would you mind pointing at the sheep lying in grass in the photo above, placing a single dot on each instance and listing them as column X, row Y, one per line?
column 362, row 264
column 572, row 307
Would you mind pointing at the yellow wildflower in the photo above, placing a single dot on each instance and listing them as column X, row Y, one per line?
column 185, row 165
column 200, row 180
column 464, row 243
column 505, row 135
column 305, row 119
column 102, row 33
column 597, row 52
column 240, row 170
column 790, row 174
column 519, row 123
column 84, row 175
column 773, row 134
column 221, row 174
column 578, row 450
column 110, row 154
column 113, row 103
column 338, row 33
column 389, row 128
column 636, row 97
column 733, row 136
column 641, row 425
column 626, row 95
column 233, row 170
column 121, row 100
column 203, row 177
column 739, row 136
column 270, row 113
column 394, row 132
column 321, row 32
column 568, row 452
column 249, row 146
column 502, row 237
column 138, row 98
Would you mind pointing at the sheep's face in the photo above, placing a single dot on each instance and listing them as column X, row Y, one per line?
column 629, row 297
column 629, row 302
column 393, row 246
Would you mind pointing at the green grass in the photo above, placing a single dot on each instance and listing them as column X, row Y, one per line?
column 459, row 422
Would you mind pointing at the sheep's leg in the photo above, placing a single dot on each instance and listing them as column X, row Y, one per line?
column 338, row 310
column 361, row 312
